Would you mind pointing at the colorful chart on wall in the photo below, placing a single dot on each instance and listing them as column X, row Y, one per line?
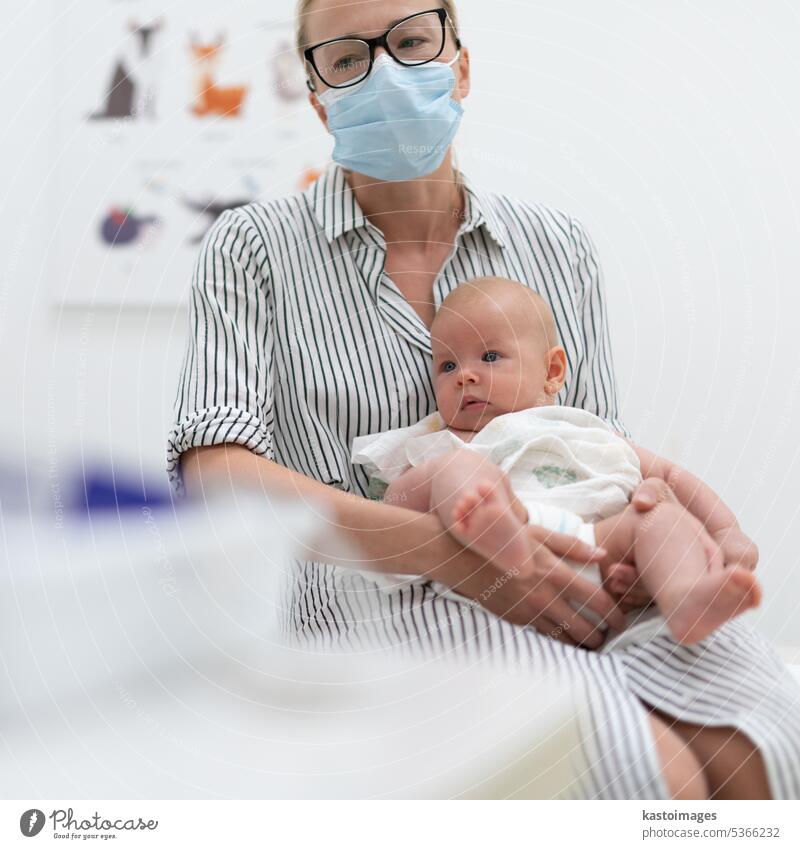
column 167, row 114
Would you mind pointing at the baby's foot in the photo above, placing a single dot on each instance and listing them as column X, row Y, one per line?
column 714, row 599
column 484, row 520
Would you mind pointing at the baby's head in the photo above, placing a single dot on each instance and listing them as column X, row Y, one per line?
column 495, row 351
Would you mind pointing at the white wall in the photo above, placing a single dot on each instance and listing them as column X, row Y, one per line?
column 670, row 129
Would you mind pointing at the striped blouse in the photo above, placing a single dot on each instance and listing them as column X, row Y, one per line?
column 299, row 341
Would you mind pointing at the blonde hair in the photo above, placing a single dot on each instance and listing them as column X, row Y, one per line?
column 304, row 7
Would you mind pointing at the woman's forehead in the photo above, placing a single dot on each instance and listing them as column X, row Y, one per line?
column 368, row 18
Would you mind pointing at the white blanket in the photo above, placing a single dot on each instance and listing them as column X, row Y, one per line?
column 564, row 458
column 559, row 456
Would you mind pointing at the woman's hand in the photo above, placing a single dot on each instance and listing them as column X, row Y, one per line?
column 736, row 547
column 540, row 593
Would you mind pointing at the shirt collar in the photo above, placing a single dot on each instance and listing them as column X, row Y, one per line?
column 479, row 211
column 334, row 204
column 337, row 211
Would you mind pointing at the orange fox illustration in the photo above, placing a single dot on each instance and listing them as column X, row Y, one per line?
column 210, row 98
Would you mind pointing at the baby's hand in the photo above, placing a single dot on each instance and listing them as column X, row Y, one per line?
column 736, row 547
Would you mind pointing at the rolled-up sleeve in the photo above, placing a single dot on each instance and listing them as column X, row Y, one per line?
column 594, row 385
column 225, row 389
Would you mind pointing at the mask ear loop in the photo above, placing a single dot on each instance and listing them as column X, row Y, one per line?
column 457, row 181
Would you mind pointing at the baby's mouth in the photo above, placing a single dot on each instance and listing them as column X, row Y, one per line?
column 471, row 402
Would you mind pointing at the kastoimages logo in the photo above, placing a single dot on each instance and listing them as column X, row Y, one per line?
column 31, row 822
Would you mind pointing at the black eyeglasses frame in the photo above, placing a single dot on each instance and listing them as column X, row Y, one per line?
column 380, row 41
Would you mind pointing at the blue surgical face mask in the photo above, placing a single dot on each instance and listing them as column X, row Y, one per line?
column 397, row 123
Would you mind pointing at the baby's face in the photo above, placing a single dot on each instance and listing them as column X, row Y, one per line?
column 487, row 361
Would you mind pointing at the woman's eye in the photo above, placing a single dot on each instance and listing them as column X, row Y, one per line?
column 408, row 43
column 345, row 63
column 490, row 356
column 448, row 366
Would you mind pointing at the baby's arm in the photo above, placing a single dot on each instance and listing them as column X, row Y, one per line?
column 700, row 500
column 697, row 497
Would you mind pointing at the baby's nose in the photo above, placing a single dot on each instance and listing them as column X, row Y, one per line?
column 466, row 375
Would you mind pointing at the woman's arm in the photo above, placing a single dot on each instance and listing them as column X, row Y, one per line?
column 391, row 538
column 593, row 386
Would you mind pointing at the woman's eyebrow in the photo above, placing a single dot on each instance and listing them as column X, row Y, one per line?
column 357, row 35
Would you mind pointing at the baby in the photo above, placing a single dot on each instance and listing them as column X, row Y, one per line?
column 497, row 367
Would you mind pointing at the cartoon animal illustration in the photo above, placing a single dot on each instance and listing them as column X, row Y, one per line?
column 211, row 99
column 120, row 226
column 132, row 89
column 307, row 177
column 213, row 208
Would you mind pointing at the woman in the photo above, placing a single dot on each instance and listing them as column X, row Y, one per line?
column 310, row 319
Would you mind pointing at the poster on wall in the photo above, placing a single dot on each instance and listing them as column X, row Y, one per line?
column 168, row 114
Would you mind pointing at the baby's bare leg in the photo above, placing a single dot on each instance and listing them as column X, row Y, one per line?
column 666, row 545
column 412, row 489
column 476, row 504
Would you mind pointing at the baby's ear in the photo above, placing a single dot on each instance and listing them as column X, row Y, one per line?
column 556, row 367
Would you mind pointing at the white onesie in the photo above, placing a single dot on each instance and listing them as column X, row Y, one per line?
column 566, row 465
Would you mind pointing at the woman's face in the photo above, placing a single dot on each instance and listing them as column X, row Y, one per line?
column 328, row 19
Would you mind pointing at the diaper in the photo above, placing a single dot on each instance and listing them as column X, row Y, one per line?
column 558, row 519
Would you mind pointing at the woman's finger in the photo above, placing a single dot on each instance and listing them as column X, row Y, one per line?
column 750, row 555
column 574, row 588
column 573, row 624
column 549, row 627
column 626, row 583
column 565, row 545
column 737, row 548
column 714, row 555
column 647, row 495
column 622, row 576
column 634, row 597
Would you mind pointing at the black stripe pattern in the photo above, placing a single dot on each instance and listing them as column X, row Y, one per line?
column 299, row 343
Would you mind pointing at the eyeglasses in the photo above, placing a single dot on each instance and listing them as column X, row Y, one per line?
column 415, row 40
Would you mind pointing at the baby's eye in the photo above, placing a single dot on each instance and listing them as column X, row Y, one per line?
column 490, row 356
column 448, row 366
